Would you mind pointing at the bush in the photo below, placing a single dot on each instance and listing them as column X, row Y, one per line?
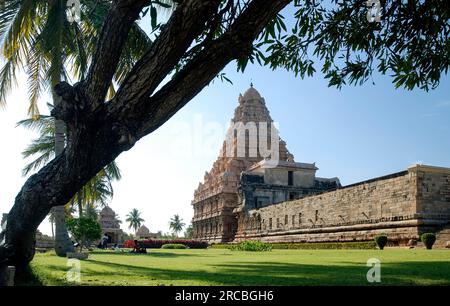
column 173, row 246
column 252, row 246
column 221, row 246
column 428, row 239
column 158, row 243
column 84, row 230
column 381, row 241
column 366, row 245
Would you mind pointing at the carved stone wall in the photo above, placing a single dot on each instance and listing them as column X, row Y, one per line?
column 44, row 242
column 401, row 205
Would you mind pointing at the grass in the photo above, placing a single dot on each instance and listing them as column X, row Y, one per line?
column 224, row 267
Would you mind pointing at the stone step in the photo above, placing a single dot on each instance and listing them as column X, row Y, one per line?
column 443, row 237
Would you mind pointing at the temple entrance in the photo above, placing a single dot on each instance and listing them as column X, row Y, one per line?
column 112, row 237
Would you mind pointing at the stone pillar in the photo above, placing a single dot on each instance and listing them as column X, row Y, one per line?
column 7, row 274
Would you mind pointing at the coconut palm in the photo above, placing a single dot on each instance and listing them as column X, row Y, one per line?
column 51, row 219
column 189, row 233
column 117, row 217
column 91, row 212
column 176, row 224
column 97, row 192
column 134, row 219
column 37, row 38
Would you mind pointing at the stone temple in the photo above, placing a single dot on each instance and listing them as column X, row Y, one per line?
column 249, row 194
column 110, row 225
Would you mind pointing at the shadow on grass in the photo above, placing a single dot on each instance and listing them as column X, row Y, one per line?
column 150, row 252
column 275, row 273
column 28, row 278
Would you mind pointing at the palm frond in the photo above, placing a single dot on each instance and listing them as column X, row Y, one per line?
column 113, row 171
column 43, row 124
column 45, row 149
column 135, row 47
column 17, row 27
column 7, row 81
column 8, row 10
column 36, row 79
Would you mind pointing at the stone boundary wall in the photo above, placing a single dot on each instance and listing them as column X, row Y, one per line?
column 44, row 242
column 402, row 205
column 433, row 192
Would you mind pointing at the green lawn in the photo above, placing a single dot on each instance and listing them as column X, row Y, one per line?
column 225, row 267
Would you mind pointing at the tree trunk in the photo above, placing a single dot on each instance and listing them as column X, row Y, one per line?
column 53, row 185
column 98, row 132
column 63, row 244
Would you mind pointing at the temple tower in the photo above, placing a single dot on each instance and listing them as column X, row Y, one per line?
column 110, row 225
column 215, row 198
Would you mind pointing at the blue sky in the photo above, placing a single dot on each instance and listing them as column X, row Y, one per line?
column 356, row 133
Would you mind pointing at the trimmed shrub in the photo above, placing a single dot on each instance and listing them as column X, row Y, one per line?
column 220, row 246
column 158, row 243
column 252, row 246
column 326, row 245
column 428, row 240
column 76, row 255
column 381, row 241
column 173, row 246
column 365, row 245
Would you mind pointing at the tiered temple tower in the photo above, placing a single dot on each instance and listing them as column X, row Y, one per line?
column 215, row 198
column 110, row 225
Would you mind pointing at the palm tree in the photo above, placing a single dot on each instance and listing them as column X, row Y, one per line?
column 36, row 37
column 117, row 217
column 97, row 192
column 176, row 224
column 51, row 219
column 134, row 219
column 189, row 232
column 91, row 212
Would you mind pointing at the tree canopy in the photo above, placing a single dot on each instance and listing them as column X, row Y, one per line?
column 84, row 230
column 410, row 42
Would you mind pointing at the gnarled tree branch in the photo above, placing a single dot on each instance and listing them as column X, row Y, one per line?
column 118, row 22
column 186, row 23
column 201, row 70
